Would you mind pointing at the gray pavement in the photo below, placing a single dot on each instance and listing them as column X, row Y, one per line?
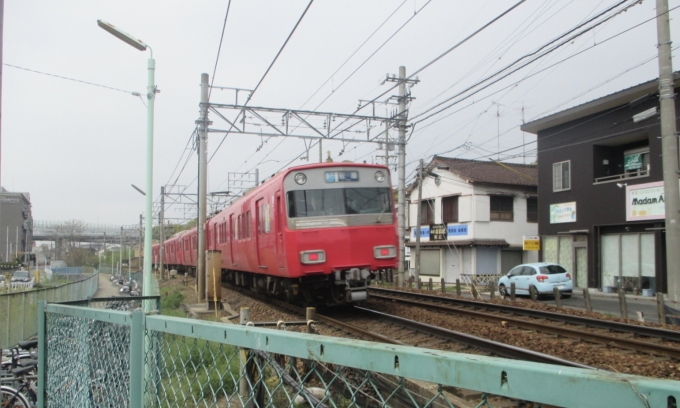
column 106, row 287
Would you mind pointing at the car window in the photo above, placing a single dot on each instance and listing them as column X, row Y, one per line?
column 516, row 271
column 552, row 269
column 20, row 274
column 528, row 271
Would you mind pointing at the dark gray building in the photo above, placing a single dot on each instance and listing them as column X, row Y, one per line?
column 601, row 211
column 16, row 224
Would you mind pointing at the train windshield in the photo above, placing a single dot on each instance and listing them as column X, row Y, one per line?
column 338, row 201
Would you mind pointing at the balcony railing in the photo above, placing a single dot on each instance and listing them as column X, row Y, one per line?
column 624, row 176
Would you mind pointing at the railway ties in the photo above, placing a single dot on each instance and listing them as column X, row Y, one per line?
column 611, row 334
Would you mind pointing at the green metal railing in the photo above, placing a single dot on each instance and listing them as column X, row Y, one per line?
column 102, row 357
column 19, row 309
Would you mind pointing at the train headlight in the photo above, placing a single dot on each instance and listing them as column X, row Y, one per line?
column 300, row 178
column 312, row 257
column 379, row 176
column 384, row 252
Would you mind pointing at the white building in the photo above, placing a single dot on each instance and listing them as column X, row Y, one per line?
column 474, row 217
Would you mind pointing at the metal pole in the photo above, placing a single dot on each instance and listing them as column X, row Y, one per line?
column 416, row 273
column 121, row 251
column 669, row 151
column 141, row 241
column 202, row 186
column 257, row 177
column 148, row 229
column 401, row 210
column 161, row 249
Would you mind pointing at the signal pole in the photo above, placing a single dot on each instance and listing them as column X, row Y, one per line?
column 669, row 151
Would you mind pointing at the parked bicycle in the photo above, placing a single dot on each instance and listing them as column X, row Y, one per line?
column 18, row 379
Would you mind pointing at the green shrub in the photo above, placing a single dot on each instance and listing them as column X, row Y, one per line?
column 172, row 300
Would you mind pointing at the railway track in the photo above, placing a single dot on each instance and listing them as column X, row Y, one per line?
column 617, row 334
column 391, row 329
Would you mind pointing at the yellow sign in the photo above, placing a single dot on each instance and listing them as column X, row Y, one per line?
column 531, row 243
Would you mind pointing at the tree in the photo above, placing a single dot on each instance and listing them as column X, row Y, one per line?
column 71, row 231
column 82, row 257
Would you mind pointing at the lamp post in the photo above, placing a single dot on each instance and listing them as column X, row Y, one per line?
column 150, row 96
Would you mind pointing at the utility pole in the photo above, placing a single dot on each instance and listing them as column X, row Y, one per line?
column 416, row 274
column 141, row 240
column 401, row 125
column 202, row 186
column 161, row 250
column 669, row 151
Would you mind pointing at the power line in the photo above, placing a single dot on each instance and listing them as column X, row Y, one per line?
column 478, row 83
column 74, row 80
column 219, row 49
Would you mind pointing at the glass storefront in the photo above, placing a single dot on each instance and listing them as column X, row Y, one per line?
column 628, row 261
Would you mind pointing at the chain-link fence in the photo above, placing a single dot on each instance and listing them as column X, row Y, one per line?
column 19, row 309
column 103, row 358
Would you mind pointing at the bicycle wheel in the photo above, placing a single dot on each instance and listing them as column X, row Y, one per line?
column 10, row 398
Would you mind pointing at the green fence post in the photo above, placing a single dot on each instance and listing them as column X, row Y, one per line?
column 42, row 352
column 137, row 359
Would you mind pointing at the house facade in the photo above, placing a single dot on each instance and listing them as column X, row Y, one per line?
column 600, row 190
column 474, row 215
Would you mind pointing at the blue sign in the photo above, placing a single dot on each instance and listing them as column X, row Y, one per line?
column 454, row 230
column 451, row 231
column 424, row 232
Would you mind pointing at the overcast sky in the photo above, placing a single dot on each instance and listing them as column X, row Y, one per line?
column 77, row 148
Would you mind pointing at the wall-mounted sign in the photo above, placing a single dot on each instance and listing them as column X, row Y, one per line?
column 645, row 202
column 531, row 243
column 438, row 232
column 563, row 212
column 632, row 161
column 451, row 231
column 457, row 230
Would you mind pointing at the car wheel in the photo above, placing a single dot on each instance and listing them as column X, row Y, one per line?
column 532, row 289
column 502, row 290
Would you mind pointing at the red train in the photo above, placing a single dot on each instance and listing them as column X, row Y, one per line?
column 315, row 233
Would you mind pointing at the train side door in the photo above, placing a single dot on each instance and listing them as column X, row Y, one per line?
column 260, row 241
column 231, row 239
column 278, row 221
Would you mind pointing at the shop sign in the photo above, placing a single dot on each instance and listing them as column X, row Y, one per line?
column 438, row 232
column 531, row 243
column 457, row 230
column 563, row 212
column 632, row 161
column 645, row 202
column 424, row 232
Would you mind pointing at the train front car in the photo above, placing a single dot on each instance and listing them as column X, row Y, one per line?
column 340, row 229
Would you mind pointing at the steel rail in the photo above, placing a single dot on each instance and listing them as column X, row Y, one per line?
column 496, row 348
column 670, row 335
column 628, row 344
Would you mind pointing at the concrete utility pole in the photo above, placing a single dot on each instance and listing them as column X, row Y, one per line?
column 416, row 273
column 669, row 151
column 161, row 250
column 401, row 210
column 202, row 186
column 120, row 252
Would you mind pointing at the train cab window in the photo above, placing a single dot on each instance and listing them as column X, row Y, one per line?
column 338, row 201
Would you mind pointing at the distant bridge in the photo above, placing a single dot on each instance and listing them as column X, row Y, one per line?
column 92, row 233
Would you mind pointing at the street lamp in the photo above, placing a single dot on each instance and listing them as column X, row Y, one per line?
column 150, row 96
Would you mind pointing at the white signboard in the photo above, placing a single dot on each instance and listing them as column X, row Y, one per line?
column 563, row 212
column 645, row 202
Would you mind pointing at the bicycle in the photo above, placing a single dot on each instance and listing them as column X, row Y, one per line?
column 11, row 398
column 17, row 377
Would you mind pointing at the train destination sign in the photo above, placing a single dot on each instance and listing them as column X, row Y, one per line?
column 438, row 232
column 340, row 176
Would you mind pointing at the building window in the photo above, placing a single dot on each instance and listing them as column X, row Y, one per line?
column 427, row 212
column 449, row 209
column 636, row 162
column 501, row 208
column 532, row 209
column 562, row 176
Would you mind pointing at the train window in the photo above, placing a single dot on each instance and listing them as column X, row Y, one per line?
column 339, row 201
